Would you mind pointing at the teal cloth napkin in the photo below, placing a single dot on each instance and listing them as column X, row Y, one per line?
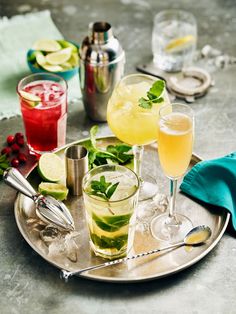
column 214, row 182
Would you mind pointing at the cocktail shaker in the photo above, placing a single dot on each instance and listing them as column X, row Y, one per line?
column 102, row 62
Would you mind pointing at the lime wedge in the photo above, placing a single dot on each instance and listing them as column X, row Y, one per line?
column 52, row 68
column 179, row 44
column 51, row 167
column 48, row 45
column 56, row 190
column 74, row 59
column 59, row 57
column 32, row 100
column 66, row 66
column 40, row 58
column 66, row 44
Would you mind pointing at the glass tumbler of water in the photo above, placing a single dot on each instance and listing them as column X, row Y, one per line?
column 174, row 40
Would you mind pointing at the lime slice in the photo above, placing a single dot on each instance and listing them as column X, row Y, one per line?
column 179, row 44
column 52, row 68
column 59, row 57
column 74, row 60
column 66, row 44
column 48, row 45
column 56, row 190
column 51, row 167
column 32, row 100
column 40, row 58
column 66, row 66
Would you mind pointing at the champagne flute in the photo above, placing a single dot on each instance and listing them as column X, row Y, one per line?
column 175, row 142
column 135, row 125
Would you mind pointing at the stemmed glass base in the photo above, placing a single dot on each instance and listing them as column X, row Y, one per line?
column 171, row 229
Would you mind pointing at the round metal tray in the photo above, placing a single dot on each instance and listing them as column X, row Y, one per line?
column 146, row 268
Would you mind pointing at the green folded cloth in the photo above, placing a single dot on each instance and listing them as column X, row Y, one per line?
column 214, row 182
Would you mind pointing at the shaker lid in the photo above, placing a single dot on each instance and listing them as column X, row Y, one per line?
column 101, row 47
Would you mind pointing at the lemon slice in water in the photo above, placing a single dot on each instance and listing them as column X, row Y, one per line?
column 56, row 190
column 179, row 44
column 48, row 45
column 51, row 167
column 59, row 57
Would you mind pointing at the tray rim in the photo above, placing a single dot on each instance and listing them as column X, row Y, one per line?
column 225, row 217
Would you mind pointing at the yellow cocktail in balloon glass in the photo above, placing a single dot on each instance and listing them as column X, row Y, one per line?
column 133, row 118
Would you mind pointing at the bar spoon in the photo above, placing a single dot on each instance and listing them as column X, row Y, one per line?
column 196, row 236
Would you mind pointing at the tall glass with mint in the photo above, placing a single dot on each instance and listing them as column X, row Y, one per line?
column 110, row 196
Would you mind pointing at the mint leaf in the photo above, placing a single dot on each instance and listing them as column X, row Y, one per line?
column 153, row 95
column 111, row 190
column 117, row 154
column 145, row 103
column 157, row 88
column 158, row 100
column 4, row 163
column 102, row 188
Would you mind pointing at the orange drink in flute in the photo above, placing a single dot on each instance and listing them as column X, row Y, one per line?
column 175, row 144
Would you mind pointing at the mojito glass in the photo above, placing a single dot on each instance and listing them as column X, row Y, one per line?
column 111, row 221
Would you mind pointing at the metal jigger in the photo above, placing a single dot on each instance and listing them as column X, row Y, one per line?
column 76, row 157
column 48, row 208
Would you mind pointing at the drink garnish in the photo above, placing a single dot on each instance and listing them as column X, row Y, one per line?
column 117, row 154
column 179, row 44
column 31, row 99
column 153, row 95
column 102, row 188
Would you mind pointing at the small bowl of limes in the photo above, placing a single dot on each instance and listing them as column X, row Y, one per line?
column 54, row 56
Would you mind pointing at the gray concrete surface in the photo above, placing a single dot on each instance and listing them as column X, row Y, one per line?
column 28, row 284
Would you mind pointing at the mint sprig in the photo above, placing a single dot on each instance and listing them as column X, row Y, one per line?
column 4, row 164
column 153, row 95
column 102, row 188
column 115, row 154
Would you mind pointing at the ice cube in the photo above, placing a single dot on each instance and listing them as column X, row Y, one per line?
column 50, row 234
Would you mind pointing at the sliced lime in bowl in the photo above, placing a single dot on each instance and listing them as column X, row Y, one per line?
column 47, row 45
column 59, row 57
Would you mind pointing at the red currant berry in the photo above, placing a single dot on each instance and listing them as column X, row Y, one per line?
column 15, row 163
column 19, row 135
column 22, row 158
column 6, row 151
column 15, row 148
column 20, row 141
column 10, row 139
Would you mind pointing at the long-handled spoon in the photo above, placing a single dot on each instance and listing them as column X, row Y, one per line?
column 196, row 236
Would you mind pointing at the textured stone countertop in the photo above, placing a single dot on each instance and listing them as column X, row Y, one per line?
column 28, row 284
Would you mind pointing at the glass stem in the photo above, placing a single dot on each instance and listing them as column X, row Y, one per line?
column 138, row 156
column 173, row 186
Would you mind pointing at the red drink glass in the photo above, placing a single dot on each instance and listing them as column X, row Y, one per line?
column 43, row 101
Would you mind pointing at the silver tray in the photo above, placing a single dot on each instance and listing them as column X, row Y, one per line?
column 146, row 268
